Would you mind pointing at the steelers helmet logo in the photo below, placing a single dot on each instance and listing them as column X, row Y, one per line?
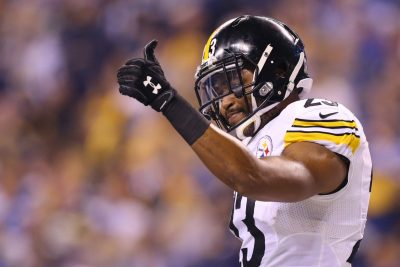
column 264, row 147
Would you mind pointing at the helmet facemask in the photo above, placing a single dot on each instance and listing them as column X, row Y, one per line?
column 222, row 78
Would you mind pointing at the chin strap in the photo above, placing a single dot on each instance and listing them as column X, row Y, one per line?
column 267, row 114
column 255, row 120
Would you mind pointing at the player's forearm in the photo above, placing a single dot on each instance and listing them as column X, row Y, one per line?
column 273, row 179
column 223, row 155
column 276, row 178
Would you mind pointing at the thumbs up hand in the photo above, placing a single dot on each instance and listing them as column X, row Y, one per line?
column 144, row 80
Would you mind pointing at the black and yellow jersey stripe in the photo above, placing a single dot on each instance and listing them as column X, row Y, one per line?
column 330, row 124
column 342, row 133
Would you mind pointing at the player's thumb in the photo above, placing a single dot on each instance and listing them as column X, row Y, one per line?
column 149, row 51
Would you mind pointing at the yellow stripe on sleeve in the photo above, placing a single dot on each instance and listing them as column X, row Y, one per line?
column 325, row 123
column 348, row 139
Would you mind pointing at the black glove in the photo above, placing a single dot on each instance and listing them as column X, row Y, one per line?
column 144, row 80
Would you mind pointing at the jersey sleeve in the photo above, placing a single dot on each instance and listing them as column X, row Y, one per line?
column 325, row 123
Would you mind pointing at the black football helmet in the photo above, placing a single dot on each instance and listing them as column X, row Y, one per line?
column 269, row 49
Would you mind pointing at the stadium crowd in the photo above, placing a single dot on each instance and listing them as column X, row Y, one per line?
column 87, row 179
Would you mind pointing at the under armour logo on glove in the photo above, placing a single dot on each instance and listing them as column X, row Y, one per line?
column 155, row 87
column 137, row 74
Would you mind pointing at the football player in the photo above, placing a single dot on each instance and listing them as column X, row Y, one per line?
column 300, row 168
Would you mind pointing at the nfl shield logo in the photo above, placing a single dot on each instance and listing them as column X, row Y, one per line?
column 264, row 147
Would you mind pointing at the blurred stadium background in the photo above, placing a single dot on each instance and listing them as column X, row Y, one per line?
column 89, row 178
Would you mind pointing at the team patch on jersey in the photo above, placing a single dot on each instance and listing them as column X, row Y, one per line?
column 342, row 133
column 264, row 147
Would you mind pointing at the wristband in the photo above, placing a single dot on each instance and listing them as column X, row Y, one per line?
column 186, row 120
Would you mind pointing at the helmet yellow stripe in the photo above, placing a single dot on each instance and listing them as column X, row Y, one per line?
column 206, row 50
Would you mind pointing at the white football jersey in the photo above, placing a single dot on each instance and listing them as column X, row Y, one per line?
column 321, row 231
